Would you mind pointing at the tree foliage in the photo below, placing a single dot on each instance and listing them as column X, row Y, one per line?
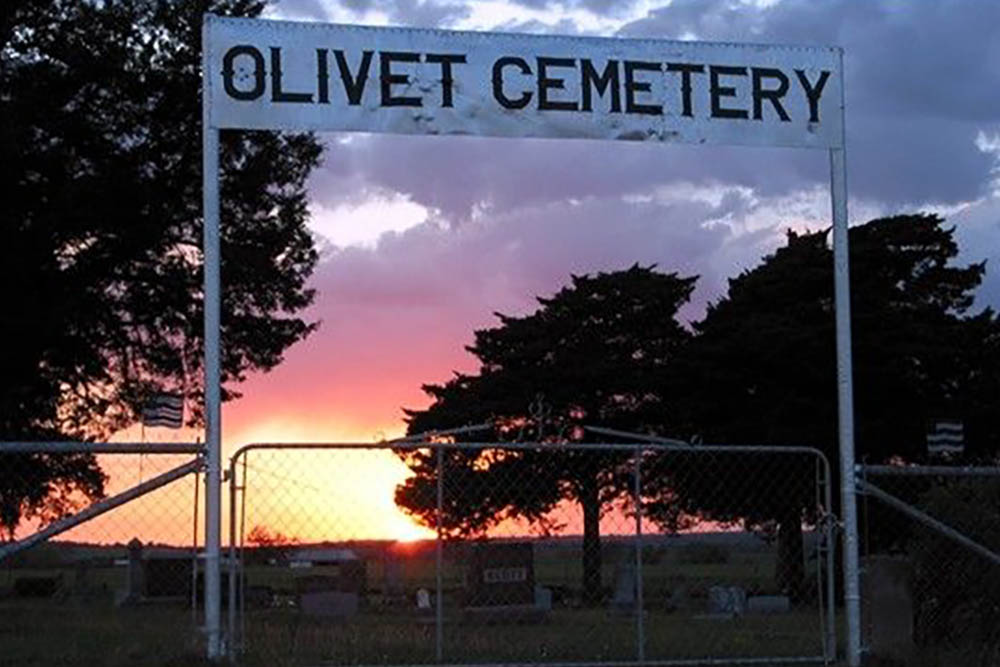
column 101, row 272
column 761, row 369
column 591, row 353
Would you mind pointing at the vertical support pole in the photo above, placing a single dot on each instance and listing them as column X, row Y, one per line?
column 213, row 378
column 439, row 560
column 829, row 537
column 845, row 390
column 194, row 552
column 231, row 627
column 640, row 628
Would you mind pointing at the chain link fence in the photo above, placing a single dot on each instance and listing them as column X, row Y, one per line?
column 486, row 553
column 931, row 564
column 104, row 569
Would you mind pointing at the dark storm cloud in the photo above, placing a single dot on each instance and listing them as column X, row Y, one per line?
column 458, row 173
column 922, row 80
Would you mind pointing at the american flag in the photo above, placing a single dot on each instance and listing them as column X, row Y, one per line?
column 946, row 436
column 164, row 410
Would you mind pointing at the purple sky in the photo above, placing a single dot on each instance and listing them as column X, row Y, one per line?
column 425, row 237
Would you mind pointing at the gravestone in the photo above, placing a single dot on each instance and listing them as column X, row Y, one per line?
column 353, row 577
column 136, row 581
column 543, row 598
column 323, row 595
column 769, row 604
column 423, row 599
column 37, row 587
column 503, row 574
column 329, row 603
column 136, row 573
column 393, row 577
column 624, row 598
column 888, row 608
column 81, row 577
column 501, row 584
column 168, row 577
column 727, row 600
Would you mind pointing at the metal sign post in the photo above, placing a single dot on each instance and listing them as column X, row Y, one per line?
column 213, row 376
column 281, row 75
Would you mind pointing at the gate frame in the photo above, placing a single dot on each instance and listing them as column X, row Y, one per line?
column 867, row 488
column 826, row 526
column 100, row 507
column 213, row 379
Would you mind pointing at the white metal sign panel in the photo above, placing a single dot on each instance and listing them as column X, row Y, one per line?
column 315, row 76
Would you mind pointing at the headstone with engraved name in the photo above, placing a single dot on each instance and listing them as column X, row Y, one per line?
column 502, row 574
column 501, row 584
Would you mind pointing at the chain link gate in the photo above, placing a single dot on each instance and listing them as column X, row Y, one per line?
column 531, row 553
column 931, row 563
column 107, row 577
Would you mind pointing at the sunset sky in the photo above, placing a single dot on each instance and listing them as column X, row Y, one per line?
column 423, row 238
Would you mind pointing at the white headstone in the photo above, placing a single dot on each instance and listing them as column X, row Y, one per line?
column 423, row 599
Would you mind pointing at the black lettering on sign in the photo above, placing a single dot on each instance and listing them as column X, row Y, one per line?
column 229, row 73
column 545, row 84
column 632, row 87
column 498, row 91
column 718, row 91
column 354, row 84
column 813, row 91
column 602, row 83
column 773, row 95
column 277, row 93
column 388, row 79
column 686, row 70
column 322, row 77
column 447, row 80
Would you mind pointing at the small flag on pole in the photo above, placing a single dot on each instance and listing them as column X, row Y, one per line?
column 946, row 436
column 164, row 410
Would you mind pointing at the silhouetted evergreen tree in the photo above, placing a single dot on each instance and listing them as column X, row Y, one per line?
column 100, row 246
column 761, row 369
column 593, row 353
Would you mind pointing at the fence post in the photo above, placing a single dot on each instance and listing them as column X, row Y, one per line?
column 232, row 557
column 438, row 556
column 637, row 500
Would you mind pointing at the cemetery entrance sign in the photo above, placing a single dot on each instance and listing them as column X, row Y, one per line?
column 262, row 74
column 268, row 74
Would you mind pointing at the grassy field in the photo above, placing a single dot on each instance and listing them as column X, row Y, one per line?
column 90, row 630
column 68, row 630
column 43, row 634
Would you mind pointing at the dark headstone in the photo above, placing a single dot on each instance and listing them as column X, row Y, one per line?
column 624, row 598
column 543, row 598
column 769, row 604
column 37, row 587
column 316, row 583
column 353, row 575
column 168, row 577
column 329, row 603
column 393, row 577
column 502, row 574
column 888, row 608
column 728, row 600
column 136, row 573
